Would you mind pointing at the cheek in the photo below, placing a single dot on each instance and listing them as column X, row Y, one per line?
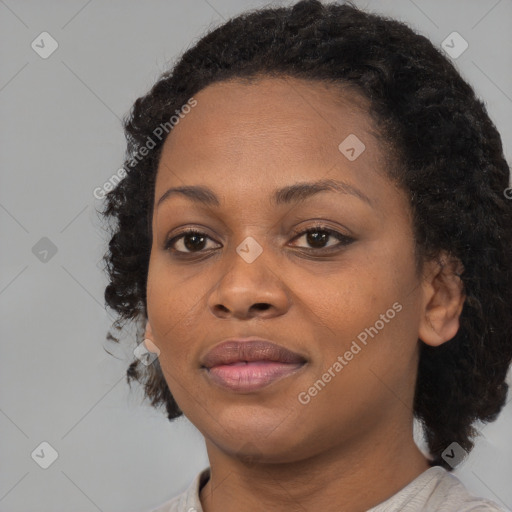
column 349, row 298
column 375, row 300
column 173, row 305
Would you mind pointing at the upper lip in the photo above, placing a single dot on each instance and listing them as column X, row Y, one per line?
column 249, row 349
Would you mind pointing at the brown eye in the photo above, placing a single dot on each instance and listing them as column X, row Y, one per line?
column 188, row 242
column 318, row 237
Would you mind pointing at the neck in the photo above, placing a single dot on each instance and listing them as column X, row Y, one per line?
column 359, row 477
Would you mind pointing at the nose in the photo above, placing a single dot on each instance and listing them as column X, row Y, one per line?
column 246, row 290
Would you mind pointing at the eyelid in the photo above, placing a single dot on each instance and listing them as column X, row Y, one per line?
column 319, row 226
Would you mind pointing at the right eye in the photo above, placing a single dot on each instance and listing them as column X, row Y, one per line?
column 188, row 242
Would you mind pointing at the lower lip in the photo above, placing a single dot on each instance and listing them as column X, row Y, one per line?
column 250, row 376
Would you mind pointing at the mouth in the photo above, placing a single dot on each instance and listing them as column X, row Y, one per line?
column 250, row 364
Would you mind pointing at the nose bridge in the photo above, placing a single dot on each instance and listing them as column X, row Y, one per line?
column 249, row 279
column 249, row 264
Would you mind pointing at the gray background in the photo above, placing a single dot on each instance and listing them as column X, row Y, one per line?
column 61, row 138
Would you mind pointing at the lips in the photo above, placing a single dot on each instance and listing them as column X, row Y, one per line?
column 249, row 364
column 235, row 351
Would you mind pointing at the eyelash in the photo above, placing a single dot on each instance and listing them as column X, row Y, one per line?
column 344, row 240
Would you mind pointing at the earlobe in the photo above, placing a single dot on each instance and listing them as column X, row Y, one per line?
column 148, row 333
column 149, row 341
column 443, row 300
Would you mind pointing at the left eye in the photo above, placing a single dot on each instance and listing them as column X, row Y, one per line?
column 317, row 237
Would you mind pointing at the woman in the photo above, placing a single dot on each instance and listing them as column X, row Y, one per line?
column 313, row 237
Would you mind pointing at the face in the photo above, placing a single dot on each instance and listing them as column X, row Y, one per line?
column 345, row 297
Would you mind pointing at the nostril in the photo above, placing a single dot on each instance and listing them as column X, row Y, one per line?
column 261, row 306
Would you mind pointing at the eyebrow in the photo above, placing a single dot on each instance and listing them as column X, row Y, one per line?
column 289, row 194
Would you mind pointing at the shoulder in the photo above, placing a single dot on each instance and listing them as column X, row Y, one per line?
column 436, row 490
column 188, row 500
column 452, row 493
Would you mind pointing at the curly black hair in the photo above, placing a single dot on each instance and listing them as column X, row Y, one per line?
column 447, row 156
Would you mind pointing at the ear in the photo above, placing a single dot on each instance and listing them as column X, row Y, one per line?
column 148, row 332
column 149, row 341
column 443, row 300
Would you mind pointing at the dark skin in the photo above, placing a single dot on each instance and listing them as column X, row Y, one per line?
column 352, row 443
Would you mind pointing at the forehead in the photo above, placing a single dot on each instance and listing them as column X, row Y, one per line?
column 269, row 131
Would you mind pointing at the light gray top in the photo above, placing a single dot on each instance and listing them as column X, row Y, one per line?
column 435, row 490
